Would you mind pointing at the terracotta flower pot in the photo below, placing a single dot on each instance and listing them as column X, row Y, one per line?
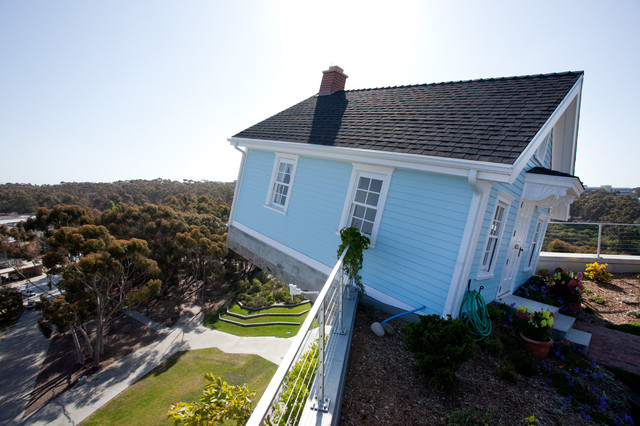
column 536, row 348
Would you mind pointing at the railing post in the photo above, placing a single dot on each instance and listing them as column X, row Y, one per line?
column 320, row 402
column 599, row 239
column 340, row 329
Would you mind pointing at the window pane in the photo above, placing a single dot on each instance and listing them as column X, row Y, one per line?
column 372, row 199
column 370, row 215
column 367, row 228
column 364, row 183
column 358, row 211
column 356, row 223
column 376, row 185
column 361, row 196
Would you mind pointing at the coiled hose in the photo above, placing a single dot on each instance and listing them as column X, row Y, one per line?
column 474, row 313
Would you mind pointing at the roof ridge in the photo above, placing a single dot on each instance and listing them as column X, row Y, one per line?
column 519, row 77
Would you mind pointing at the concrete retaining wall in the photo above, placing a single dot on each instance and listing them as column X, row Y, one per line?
column 577, row 262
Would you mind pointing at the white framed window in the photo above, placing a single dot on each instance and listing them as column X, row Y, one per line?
column 494, row 235
column 284, row 170
column 536, row 241
column 366, row 197
column 541, row 152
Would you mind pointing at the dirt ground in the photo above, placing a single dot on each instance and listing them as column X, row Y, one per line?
column 620, row 296
column 383, row 388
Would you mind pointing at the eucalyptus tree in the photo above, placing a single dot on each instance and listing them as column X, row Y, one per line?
column 99, row 274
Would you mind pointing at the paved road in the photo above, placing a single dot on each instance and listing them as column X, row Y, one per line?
column 22, row 351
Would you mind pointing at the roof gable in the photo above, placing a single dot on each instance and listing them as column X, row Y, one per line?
column 481, row 120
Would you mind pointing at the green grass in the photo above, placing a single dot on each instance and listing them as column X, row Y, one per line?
column 180, row 379
column 211, row 321
column 631, row 328
column 598, row 300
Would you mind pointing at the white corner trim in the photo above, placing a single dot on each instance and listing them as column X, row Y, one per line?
column 469, row 242
column 310, row 262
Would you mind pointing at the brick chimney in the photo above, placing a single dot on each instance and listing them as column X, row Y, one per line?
column 333, row 80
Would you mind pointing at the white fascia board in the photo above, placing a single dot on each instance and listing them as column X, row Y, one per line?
column 530, row 150
column 448, row 166
column 575, row 131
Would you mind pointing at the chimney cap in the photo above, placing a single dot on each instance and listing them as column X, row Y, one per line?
column 333, row 80
column 336, row 69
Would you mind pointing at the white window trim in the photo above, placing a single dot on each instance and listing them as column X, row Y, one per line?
column 504, row 199
column 376, row 172
column 274, row 173
column 542, row 220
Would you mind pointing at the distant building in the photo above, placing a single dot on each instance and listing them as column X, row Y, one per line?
column 609, row 188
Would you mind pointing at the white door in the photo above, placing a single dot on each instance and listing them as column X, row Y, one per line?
column 516, row 247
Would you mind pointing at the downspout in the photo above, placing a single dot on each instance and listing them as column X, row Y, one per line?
column 236, row 190
column 469, row 242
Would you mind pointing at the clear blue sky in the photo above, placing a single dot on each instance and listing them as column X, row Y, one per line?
column 114, row 90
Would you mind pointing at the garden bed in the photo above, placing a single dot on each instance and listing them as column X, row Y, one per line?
column 382, row 386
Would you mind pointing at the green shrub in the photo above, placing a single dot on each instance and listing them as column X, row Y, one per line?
column 494, row 346
column 523, row 364
column 219, row 401
column 439, row 346
column 598, row 300
column 259, row 294
column 508, row 372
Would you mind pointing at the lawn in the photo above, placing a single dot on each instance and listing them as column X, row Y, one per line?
column 180, row 378
column 211, row 320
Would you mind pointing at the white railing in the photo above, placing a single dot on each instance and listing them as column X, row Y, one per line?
column 301, row 374
column 595, row 238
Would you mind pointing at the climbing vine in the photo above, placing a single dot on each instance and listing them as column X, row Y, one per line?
column 352, row 265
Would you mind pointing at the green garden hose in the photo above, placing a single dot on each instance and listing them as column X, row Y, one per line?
column 474, row 313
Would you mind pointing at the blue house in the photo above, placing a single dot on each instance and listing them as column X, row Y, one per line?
column 451, row 182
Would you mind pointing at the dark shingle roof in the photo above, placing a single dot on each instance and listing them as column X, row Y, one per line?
column 484, row 120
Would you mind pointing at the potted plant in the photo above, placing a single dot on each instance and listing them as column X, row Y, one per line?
column 535, row 331
column 568, row 288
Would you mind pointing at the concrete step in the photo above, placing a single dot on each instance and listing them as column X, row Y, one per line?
column 562, row 325
column 516, row 301
column 579, row 339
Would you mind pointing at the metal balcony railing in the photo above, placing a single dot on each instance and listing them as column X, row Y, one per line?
column 299, row 383
column 593, row 238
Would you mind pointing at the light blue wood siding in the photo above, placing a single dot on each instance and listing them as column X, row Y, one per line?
column 311, row 223
column 515, row 191
column 419, row 236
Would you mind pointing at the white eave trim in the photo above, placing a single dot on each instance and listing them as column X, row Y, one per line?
column 450, row 166
column 530, row 150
